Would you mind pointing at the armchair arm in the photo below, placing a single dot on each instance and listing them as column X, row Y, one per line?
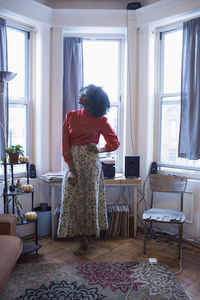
column 8, row 224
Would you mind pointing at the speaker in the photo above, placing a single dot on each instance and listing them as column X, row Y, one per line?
column 132, row 166
column 32, row 171
column 108, row 169
column 133, row 5
column 154, row 168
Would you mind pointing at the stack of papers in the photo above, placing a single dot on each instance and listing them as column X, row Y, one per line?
column 53, row 176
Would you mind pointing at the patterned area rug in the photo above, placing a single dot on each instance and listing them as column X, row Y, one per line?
column 93, row 281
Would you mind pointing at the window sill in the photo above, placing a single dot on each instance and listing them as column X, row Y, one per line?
column 191, row 173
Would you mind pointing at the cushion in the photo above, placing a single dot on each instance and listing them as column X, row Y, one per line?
column 10, row 250
column 164, row 215
column 8, row 224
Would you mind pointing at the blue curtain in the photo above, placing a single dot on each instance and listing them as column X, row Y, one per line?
column 72, row 73
column 3, row 67
column 189, row 135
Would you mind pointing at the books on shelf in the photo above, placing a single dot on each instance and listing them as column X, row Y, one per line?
column 118, row 222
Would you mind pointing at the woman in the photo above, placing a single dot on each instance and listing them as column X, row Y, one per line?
column 83, row 208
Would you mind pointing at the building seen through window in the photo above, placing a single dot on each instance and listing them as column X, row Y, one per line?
column 18, row 89
column 170, row 100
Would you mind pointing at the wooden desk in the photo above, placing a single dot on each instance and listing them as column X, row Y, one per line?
column 117, row 181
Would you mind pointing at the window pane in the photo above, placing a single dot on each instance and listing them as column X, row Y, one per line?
column 101, row 65
column 112, row 117
column 16, row 62
column 170, row 133
column 172, row 52
column 170, row 112
column 17, row 125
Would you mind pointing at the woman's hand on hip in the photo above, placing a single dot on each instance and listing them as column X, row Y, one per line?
column 72, row 178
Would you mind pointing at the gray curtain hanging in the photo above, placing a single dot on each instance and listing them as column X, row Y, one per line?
column 72, row 73
column 189, row 135
column 3, row 67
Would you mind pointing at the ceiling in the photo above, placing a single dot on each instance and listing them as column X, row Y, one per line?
column 92, row 4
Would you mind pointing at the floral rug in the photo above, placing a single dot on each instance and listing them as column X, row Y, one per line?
column 93, row 281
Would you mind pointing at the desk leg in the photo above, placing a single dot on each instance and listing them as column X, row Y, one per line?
column 53, row 217
column 135, row 208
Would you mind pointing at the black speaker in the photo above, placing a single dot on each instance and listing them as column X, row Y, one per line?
column 154, row 168
column 32, row 171
column 133, row 5
column 108, row 169
column 132, row 166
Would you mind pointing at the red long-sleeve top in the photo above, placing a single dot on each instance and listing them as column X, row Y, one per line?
column 80, row 128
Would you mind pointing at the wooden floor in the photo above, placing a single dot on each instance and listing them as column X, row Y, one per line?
column 123, row 250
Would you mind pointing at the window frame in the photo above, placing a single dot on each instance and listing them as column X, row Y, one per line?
column 26, row 100
column 120, row 94
column 167, row 167
column 161, row 94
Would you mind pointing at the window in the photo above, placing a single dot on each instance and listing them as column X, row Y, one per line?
column 169, row 100
column 102, row 67
column 18, row 88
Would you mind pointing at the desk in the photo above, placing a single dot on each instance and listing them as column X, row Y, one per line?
column 118, row 180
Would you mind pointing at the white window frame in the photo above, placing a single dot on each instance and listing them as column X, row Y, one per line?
column 27, row 99
column 165, row 166
column 121, row 91
column 118, row 103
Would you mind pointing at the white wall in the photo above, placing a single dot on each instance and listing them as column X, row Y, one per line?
column 140, row 96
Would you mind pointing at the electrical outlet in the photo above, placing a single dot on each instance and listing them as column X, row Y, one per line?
column 153, row 260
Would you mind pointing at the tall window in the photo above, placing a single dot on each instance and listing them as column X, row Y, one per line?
column 102, row 67
column 169, row 97
column 18, row 88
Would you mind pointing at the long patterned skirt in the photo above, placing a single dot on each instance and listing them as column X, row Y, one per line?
column 83, row 206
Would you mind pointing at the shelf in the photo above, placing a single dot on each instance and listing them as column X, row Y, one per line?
column 30, row 247
column 25, row 222
column 17, row 193
column 27, row 247
column 19, row 163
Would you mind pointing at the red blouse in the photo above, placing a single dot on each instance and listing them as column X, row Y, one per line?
column 80, row 128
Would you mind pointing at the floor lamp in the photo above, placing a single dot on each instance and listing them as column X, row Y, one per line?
column 4, row 77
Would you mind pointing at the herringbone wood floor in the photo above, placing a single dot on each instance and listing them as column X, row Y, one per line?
column 122, row 250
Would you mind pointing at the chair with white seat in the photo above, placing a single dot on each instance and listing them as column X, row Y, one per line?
column 166, row 184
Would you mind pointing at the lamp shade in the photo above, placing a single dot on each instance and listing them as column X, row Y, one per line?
column 7, row 76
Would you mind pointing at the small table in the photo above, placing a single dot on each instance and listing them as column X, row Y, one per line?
column 119, row 180
column 134, row 183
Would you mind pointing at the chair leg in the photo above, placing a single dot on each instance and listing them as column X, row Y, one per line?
column 145, row 237
column 151, row 234
column 180, row 239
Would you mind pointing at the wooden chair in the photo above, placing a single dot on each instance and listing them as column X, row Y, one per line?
column 167, row 184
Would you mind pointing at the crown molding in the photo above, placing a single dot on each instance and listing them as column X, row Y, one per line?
column 88, row 17
column 166, row 11
column 156, row 14
column 29, row 11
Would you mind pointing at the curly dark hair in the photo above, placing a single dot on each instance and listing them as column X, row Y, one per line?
column 98, row 102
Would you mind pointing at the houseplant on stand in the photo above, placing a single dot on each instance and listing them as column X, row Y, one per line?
column 19, row 209
column 14, row 151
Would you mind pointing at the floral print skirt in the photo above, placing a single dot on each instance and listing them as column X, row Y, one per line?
column 83, row 206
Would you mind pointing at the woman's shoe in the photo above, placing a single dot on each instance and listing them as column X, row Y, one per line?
column 83, row 247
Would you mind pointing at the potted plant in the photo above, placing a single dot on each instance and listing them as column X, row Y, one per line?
column 14, row 151
column 19, row 209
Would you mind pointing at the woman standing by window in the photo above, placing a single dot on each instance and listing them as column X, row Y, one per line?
column 83, row 208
